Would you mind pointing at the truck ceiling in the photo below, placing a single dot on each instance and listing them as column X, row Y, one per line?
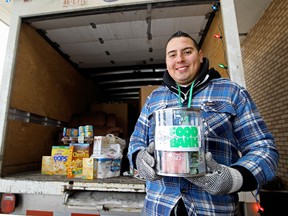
column 123, row 48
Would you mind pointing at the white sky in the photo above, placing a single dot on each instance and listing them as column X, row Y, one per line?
column 3, row 42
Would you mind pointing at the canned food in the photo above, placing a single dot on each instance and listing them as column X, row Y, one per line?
column 179, row 142
column 89, row 131
column 81, row 131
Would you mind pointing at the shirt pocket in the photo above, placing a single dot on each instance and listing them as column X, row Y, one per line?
column 218, row 117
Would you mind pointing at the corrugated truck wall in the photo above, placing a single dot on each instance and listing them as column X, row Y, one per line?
column 46, row 85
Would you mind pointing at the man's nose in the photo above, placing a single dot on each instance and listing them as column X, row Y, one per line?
column 180, row 58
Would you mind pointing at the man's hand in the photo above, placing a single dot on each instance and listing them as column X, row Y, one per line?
column 222, row 180
column 145, row 163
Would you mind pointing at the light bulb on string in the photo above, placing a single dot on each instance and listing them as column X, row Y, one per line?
column 260, row 209
column 215, row 6
column 223, row 66
column 218, row 36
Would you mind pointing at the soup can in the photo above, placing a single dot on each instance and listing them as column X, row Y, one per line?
column 179, row 142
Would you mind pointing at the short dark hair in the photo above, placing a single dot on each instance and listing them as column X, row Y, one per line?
column 183, row 34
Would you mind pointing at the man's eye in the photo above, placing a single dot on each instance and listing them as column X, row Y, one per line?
column 188, row 52
column 172, row 55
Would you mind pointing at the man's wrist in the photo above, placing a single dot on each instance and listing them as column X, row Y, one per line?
column 237, row 179
column 249, row 181
column 134, row 156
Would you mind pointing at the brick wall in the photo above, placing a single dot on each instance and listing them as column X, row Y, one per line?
column 265, row 59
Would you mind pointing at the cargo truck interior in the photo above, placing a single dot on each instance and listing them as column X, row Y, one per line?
column 97, row 59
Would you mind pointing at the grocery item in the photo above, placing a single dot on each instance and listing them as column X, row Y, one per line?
column 47, row 165
column 77, row 151
column 59, row 156
column 101, row 168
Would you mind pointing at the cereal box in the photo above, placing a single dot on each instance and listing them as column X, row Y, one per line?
column 59, row 155
column 78, row 151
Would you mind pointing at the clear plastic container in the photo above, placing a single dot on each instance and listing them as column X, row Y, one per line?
column 179, row 142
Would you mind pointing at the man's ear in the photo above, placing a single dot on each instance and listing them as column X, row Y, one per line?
column 201, row 56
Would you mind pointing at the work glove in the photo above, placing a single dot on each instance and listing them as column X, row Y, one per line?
column 145, row 163
column 222, row 180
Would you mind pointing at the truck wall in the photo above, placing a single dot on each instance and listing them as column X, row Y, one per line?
column 214, row 49
column 46, row 85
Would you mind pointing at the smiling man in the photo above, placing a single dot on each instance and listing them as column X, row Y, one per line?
column 240, row 151
column 183, row 59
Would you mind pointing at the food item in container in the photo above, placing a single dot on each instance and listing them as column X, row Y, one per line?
column 88, row 131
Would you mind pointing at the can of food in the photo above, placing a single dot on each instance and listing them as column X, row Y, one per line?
column 179, row 142
column 89, row 131
column 81, row 131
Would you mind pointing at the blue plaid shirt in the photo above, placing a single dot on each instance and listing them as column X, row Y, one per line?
column 236, row 136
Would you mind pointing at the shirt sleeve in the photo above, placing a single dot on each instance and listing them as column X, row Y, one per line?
column 249, row 181
column 259, row 155
column 140, row 136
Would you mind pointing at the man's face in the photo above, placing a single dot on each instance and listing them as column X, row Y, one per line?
column 183, row 60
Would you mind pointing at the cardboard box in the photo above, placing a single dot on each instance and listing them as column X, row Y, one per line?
column 89, row 168
column 120, row 110
column 47, row 165
column 144, row 92
column 101, row 168
column 100, row 146
column 78, row 151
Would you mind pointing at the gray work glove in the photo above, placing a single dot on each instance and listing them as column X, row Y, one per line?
column 145, row 163
column 222, row 180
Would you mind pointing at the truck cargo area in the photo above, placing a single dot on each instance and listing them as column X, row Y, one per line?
column 70, row 63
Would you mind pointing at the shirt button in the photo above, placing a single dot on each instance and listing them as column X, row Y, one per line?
column 183, row 190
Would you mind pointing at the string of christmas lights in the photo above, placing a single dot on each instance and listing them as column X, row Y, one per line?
column 215, row 7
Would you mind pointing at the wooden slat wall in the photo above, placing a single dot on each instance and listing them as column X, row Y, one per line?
column 25, row 145
column 44, row 84
column 214, row 49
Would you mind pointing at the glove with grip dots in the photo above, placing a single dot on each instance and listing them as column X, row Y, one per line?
column 145, row 163
column 222, row 180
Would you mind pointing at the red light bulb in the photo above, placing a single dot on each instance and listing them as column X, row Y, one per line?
column 218, row 36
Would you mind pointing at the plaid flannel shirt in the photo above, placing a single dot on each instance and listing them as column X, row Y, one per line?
column 236, row 135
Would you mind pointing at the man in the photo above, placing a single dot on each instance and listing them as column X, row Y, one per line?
column 241, row 153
